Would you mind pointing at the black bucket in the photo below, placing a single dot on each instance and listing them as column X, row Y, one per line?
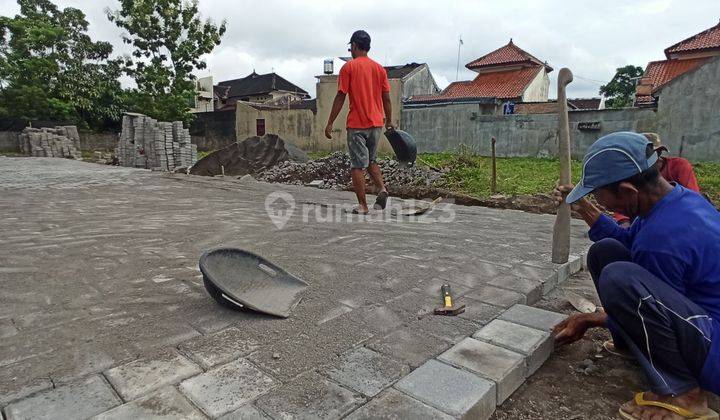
column 403, row 145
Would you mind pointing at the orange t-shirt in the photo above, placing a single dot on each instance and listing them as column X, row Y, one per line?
column 365, row 81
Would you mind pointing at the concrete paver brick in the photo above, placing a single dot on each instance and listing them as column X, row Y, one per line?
column 394, row 405
column 220, row 347
column 536, row 345
column 410, row 346
column 478, row 312
column 227, row 387
column 165, row 403
column 366, row 371
column 145, row 375
column 451, row 328
column 246, row 412
column 309, row 396
column 532, row 289
column 528, row 316
column 548, row 276
column 506, row 368
column 451, row 390
column 496, row 296
column 79, row 399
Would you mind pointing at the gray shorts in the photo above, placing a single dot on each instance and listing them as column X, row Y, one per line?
column 362, row 146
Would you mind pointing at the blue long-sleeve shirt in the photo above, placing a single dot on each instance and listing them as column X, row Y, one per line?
column 679, row 242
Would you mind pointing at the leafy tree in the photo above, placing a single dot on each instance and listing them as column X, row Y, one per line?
column 50, row 69
column 621, row 89
column 169, row 38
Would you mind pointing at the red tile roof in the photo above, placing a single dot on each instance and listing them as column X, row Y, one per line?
column 707, row 39
column 662, row 72
column 501, row 85
column 503, row 56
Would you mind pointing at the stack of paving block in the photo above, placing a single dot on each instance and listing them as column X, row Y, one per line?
column 62, row 142
column 147, row 143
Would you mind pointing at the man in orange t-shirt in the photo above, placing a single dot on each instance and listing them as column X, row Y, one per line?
column 367, row 84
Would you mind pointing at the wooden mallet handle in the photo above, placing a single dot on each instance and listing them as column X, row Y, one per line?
column 561, row 231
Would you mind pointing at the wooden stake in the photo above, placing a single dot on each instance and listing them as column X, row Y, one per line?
column 561, row 231
column 493, row 181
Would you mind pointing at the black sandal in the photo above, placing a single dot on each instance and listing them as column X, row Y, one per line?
column 381, row 201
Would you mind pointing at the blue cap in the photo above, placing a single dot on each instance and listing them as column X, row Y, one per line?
column 613, row 158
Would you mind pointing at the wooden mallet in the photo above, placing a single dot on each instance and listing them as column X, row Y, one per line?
column 561, row 231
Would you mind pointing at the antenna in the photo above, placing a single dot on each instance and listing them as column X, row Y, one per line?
column 457, row 69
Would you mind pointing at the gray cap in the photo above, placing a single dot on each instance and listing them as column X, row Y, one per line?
column 360, row 37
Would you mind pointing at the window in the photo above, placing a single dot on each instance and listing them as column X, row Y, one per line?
column 260, row 126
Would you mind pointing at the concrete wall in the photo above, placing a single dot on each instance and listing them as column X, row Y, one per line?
column 213, row 130
column 294, row 125
column 10, row 141
column 445, row 128
column 537, row 90
column 420, row 82
column 689, row 114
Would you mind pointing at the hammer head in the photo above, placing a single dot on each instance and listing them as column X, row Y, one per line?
column 450, row 310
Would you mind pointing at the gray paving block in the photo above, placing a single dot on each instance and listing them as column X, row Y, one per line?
column 220, row 347
column 536, row 345
column 451, row 328
column 528, row 316
column 506, row 368
column 246, row 412
column 309, row 396
column 496, row 296
column 394, row 405
column 532, row 289
column 410, row 346
column 78, row 399
column 165, row 403
column 478, row 312
column 366, row 371
column 451, row 390
column 547, row 275
column 145, row 375
column 227, row 387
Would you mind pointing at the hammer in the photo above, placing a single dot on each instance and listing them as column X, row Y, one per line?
column 449, row 307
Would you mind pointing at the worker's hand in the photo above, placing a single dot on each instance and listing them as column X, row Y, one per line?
column 574, row 327
column 328, row 131
column 561, row 191
column 389, row 126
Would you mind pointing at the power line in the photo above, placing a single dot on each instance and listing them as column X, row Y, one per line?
column 599, row 82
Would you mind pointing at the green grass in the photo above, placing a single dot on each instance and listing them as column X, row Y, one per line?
column 708, row 175
column 470, row 174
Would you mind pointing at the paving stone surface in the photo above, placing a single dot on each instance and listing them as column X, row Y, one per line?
column 80, row 399
column 227, row 387
column 165, row 403
column 536, row 345
column 496, row 296
column 506, row 368
column 309, row 396
column 479, row 312
column 394, row 405
column 220, row 347
column 246, row 412
column 451, row 390
column 410, row 346
column 366, row 371
column 529, row 316
column 148, row 374
column 121, row 245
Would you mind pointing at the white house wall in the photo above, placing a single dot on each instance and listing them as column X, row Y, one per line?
column 538, row 89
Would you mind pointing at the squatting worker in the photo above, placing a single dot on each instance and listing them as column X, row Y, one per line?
column 672, row 168
column 366, row 82
column 658, row 281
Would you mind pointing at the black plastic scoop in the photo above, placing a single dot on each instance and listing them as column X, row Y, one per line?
column 403, row 145
column 237, row 278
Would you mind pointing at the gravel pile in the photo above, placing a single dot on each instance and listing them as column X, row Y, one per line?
column 334, row 172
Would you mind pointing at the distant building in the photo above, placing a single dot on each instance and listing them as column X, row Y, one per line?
column 505, row 76
column 203, row 95
column 686, row 55
column 256, row 88
column 551, row 106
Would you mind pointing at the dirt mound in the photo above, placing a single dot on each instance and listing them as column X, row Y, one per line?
column 334, row 171
column 250, row 156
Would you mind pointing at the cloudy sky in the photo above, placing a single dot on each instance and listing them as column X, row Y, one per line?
column 293, row 38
